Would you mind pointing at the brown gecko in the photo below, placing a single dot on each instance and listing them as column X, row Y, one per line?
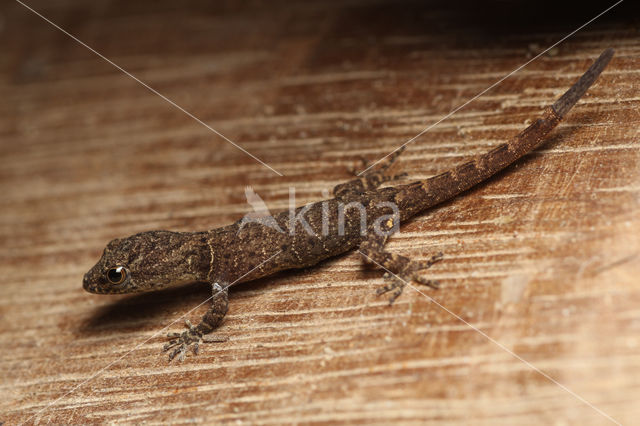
column 247, row 250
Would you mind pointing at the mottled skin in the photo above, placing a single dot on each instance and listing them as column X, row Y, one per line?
column 243, row 252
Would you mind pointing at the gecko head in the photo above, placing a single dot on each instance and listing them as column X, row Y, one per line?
column 149, row 261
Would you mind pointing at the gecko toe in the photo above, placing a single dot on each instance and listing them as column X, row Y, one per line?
column 395, row 285
column 170, row 344
column 395, row 295
column 178, row 351
column 364, row 163
column 419, row 265
column 425, row 281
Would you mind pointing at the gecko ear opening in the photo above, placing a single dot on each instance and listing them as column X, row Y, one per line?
column 117, row 275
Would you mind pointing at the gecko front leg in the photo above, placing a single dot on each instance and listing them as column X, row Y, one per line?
column 196, row 334
column 400, row 270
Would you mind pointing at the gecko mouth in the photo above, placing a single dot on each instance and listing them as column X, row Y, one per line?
column 86, row 284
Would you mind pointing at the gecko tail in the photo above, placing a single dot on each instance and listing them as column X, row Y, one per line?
column 573, row 95
column 420, row 195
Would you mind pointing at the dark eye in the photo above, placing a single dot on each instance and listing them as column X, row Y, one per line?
column 117, row 275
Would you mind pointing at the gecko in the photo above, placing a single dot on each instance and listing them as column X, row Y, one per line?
column 307, row 235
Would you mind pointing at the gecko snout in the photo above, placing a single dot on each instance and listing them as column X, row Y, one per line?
column 86, row 284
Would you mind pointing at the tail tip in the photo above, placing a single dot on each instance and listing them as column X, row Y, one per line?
column 573, row 95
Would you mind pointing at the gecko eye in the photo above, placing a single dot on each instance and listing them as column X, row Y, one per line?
column 117, row 275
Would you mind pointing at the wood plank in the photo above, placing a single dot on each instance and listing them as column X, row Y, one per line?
column 541, row 261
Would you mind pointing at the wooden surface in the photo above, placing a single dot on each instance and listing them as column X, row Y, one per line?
column 544, row 258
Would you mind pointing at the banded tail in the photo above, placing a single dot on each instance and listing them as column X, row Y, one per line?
column 420, row 195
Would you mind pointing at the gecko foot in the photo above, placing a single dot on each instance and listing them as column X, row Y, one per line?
column 370, row 177
column 378, row 176
column 398, row 281
column 191, row 337
column 375, row 178
column 364, row 163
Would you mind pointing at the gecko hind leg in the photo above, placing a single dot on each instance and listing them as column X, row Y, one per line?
column 180, row 342
column 400, row 270
column 370, row 179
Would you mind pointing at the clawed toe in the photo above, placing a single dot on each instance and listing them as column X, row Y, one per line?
column 425, row 264
column 384, row 289
column 395, row 286
column 170, row 344
column 364, row 163
column 429, row 283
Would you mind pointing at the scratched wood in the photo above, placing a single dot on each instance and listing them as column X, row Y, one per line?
column 538, row 317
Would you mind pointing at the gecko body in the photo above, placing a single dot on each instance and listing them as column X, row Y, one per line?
column 361, row 215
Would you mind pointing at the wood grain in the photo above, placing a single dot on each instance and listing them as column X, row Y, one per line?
column 544, row 258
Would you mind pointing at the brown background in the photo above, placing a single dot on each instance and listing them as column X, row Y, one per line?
column 544, row 258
